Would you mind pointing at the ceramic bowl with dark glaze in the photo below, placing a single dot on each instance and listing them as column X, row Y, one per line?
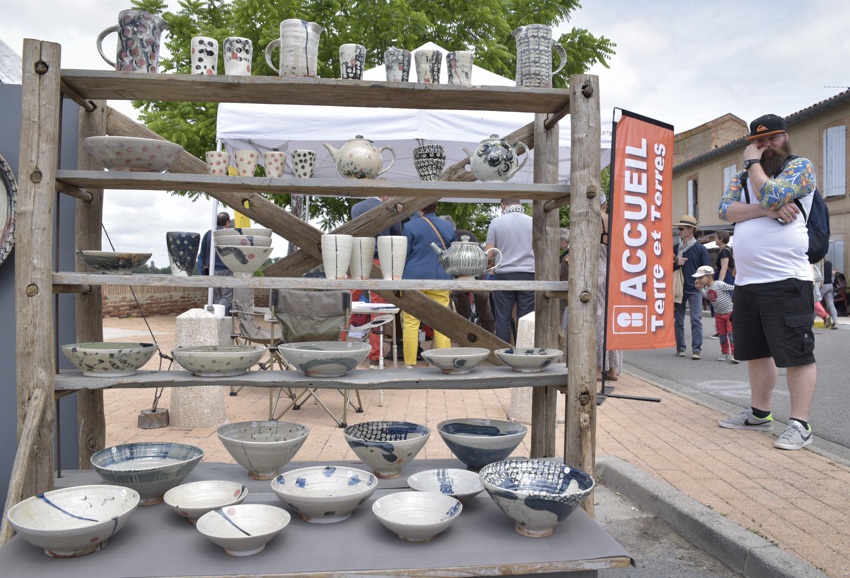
column 182, row 251
column 386, row 446
column 113, row 263
column 529, row 360
column 262, row 447
column 481, row 441
column 109, row 358
column 324, row 494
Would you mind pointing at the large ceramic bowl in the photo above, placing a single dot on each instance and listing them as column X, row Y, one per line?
column 417, row 516
column 150, row 468
column 196, row 499
column 480, row 441
column 253, row 231
column 73, row 521
column 456, row 360
column 218, row 360
column 529, row 360
column 459, row 484
column 109, row 359
column 386, row 446
column 324, row 494
column 325, row 358
column 243, row 529
column 536, row 494
column 243, row 261
column 262, row 447
column 243, row 240
column 113, row 263
column 124, row 153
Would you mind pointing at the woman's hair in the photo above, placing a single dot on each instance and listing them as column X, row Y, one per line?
column 430, row 208
column 723, row 236
column 565, row 234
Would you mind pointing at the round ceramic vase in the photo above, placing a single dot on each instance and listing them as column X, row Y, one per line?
column 217, row 162
column 352, row 59
column 429, row 161
column 392, row 253
column 303, row 162
column 362, row 254
column 139, row 33
column 336, row 255
column 204, row 55
column 428, row 63
column 299, row 48
column 246, row 162
column 237, row 56
column 459, row 67
column 182, row 251
column 274, row 162
column 397, row 64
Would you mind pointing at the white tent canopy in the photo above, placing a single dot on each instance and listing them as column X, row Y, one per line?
column 265, row 127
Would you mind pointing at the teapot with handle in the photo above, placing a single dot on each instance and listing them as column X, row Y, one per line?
column 495, row 159
column 360, row 159
column 465, row 259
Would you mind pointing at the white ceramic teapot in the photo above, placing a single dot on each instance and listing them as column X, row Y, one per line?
column 465, row 259
column 360, row 159
column 495, row 159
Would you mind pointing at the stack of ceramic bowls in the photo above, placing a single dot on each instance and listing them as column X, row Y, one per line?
column 243, row 251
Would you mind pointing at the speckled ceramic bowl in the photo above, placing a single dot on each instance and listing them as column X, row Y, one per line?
column 218, row 360
column 536, row 494
column 243, row 261
column 113, row 263
column 529, row 360
column 109, row 358
column 324, row 494
column 262, row 447
column 243, row 529
column 417, row 516
column 73, row 521
column 386, row 446
column 325, row 358
column 123, row 153
column 150, row 468
column 196, row 499
column 459, row 484
column 456, row 360
column 481, row 441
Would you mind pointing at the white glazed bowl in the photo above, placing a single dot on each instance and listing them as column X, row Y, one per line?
column 417, row 516
column 324, row 494
column 386, row 446
column 109, row 359
column 254, row 231
column 325, row 358
column 536, row 494
column 150, row 468
column 262, row 447
column 196, row 499
column 123, row 153
column 243, row 529
column 243, row 261
column 456, row 360
column 112, row 262
column 243, row 240
column 529, row 360
column 459, row 484
column 480, row 441
column 218, row 360
column 73, row 521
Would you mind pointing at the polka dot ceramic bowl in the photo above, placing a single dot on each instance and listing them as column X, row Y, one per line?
column 218, row 360
column 120, row 153
column 109, row 359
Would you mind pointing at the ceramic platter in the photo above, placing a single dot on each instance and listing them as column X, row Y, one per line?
column 8, row 200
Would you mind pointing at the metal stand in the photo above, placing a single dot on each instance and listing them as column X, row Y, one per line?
column 605, row 392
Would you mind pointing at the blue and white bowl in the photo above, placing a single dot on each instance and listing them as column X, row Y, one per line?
column 459, row 484
column 150, row 468
column 243, row 529
column 529, row 360
column 324, row 494
column 536, row 494
column 113, row 263
column 480, row 441
column 243, row 261
column 325, row 358
column 417, row 516
column 456, row 360
column 386, row 446
column 109, row 358
column 196, row 499
column 262, row 447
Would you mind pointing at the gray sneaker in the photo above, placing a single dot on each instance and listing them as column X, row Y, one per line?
column 746, row 420
column 795, row 437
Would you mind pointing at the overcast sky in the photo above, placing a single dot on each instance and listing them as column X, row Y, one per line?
column 684, row 62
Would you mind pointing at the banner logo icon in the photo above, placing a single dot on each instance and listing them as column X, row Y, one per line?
column 630, row 319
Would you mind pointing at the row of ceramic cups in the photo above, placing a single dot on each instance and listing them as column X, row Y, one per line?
column 341, row 252
column 302, row 162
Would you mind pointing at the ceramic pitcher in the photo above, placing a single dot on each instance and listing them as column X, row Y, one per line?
column 139, row 33
column 534, row 46
column 299, row 48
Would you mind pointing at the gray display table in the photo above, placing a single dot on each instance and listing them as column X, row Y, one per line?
column 482, row 542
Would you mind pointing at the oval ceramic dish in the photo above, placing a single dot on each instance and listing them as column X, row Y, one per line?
column 324, row 494
column 218, row 360
column 196, row 499
column 456, row 360
column 109, row 358
column 124, row 153
column 386, row 446
column 262, row 447
column 325, row 358
column 417, row 516
column 243, row 529
column 113, row 263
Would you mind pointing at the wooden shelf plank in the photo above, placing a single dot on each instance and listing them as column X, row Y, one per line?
column 488, row 377
column 107, row 85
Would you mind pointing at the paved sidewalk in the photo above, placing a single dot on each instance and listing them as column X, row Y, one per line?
column 796, row 500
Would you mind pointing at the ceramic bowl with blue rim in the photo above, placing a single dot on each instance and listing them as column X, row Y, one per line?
column 530, row 359
column 386, row 446
column 243, row 529
column 112, row 262
column 243, row 261
column 459, row 484
column 325, row 358
column 536, row 494
column 218, row 360
column 481, row 441
column 109, row 358
column 417, row 516
column 324, row 494
column 456, row 360
column 75, row 521
column 262, row 447
column 197, row 498
column 150, row 468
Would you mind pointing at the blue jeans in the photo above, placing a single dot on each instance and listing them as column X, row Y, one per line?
column 694, row 300
column 505, row 301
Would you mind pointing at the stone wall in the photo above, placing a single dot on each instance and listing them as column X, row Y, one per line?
column 118, row 300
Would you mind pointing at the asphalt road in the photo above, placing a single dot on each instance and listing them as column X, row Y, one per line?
column 729, row 383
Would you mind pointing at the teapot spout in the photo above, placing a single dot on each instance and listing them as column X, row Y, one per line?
column 468, row 153
column 437, row 250
column 334, row 152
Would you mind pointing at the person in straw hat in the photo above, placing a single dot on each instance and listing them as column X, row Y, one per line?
column 689, row 255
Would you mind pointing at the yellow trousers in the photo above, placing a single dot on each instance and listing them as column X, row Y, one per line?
column 411, row 328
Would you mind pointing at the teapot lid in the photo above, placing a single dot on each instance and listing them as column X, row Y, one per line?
column 464, row 239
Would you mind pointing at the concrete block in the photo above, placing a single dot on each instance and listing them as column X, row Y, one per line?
column 520, row 409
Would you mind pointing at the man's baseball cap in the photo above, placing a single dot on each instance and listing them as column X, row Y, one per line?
column 703, row 271
column 766, row 125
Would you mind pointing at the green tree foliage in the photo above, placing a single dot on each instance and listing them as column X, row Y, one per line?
column 484, row 27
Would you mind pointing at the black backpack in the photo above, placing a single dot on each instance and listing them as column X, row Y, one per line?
column 817, row 221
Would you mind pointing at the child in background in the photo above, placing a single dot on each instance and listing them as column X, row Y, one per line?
column 717, row 292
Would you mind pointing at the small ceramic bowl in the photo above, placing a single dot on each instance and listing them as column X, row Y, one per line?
column 324, row 494
column 218, row 360
column 459, row 484
column 243, row 261
column 109, row 358
column 386, row 446
column 325, row 358
column 480, row 441
column 150, row 468
column 243, row 529
column 243, row 240
column 531, row 360
column 262, row 447
column 196, row 499
column 253, row 231
column 113, row 263
column 456, row 360
column 123, row 153
column 536, row 494
column 417, row 516
column 73, row 521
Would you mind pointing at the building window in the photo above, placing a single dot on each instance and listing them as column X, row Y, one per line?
column 834, row 161
column 728, row 173
column 693, row 203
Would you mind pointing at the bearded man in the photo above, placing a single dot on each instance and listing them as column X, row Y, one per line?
column 773, row 299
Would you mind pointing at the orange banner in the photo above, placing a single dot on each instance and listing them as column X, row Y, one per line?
column 640, row 277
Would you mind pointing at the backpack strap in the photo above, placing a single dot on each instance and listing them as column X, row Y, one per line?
column 746, row 189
